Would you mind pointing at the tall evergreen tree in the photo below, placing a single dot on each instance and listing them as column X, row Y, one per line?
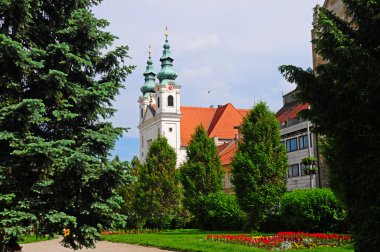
column 158, row 195
column 259, row 167
column 344, row 94
column 202, row 173
column 56, row 87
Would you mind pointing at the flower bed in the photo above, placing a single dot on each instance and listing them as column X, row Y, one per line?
column 285, row 240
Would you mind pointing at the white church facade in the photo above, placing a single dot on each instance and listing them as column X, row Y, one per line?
column 160, row 106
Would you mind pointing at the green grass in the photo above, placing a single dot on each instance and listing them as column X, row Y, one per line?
column 193, row 240
column 33, row 238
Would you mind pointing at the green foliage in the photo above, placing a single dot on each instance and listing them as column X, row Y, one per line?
column 344, row 94
column 202, row 173
column 313, row 210
column 259, row 168
column 157, row 194
column 220, row 211
column 127, row 192
column 57, row 83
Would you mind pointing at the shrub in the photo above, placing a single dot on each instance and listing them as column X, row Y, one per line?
column 220, row 211
column 313, row 210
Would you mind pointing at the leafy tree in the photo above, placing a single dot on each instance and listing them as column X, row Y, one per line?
column 202, row 173
column 127, row 192
column 259, row 167
column 344, row 94
column 56, row 87
column 158, row 192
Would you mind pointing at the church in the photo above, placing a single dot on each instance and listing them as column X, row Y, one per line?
column 161, row 113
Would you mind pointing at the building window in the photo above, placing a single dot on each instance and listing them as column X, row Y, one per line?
column 170, row 101
column 141, row 113
column 158, row 102
column 304, row 142
column 293, row 171
column 291, row 144
column 230, row 180
column 303, row 170
column 142, row 141
column 170, row 129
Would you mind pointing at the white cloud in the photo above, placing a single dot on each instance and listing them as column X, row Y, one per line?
column 199, row 44
column 197, row 72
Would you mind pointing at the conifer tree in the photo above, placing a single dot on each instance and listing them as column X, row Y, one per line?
column 56, row 87
column 344, row 97
column 202, row 173
column 158, row 195
column 259, row 167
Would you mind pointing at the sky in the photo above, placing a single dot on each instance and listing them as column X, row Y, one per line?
column 231, row 48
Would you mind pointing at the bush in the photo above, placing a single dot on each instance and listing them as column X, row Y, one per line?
column 220, row 211
column 313, row 210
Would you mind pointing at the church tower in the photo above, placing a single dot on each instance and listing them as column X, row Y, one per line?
column 160, row 105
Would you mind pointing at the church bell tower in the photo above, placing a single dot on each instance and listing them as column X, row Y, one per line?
column 160, row 104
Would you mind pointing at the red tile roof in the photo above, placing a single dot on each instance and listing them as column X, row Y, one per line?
column 223, row 124
column 227, row 153
column 191, row 118
column 219, row 122
column 290, row 111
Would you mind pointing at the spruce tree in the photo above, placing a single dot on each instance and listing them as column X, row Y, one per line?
column 259, row 167
column 158, row 195
column 57, row 83
column 344, row 98
column 202, row 173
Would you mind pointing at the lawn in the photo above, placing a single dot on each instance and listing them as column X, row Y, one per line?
column 33, row 238
column 193, row 240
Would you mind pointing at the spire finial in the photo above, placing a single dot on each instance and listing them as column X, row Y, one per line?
column 166, row 33
column 150, row 51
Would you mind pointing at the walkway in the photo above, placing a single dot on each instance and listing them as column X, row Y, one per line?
column 101, row 246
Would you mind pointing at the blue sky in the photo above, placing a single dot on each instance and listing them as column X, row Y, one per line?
column 232, row 48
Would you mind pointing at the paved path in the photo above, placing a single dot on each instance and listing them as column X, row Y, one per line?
column 101, row 246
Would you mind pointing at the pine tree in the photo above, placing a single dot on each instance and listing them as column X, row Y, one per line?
column 158, row 194
column 202, row 173
column 259, row 167
column 56, row 87
column 344, row 95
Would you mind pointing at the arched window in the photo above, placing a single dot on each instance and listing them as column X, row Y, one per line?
column 158, row 102
column 170, row 101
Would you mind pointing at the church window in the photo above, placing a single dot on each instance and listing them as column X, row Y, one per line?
column 141, row 113
column 142, row 142
column 158, row 102
column 170, row 101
